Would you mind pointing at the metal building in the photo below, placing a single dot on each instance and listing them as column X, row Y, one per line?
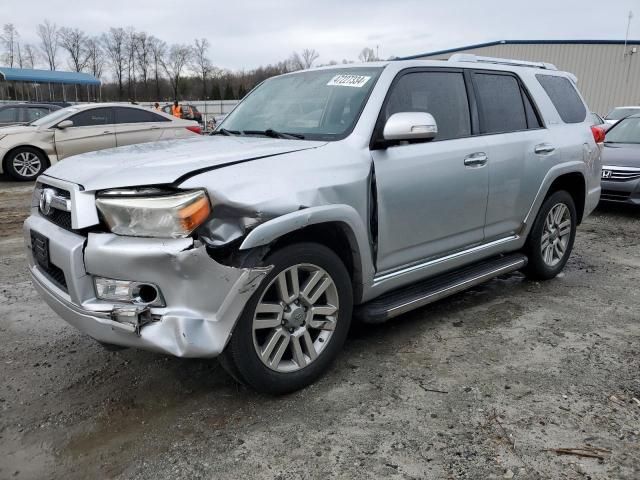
column 608, row 71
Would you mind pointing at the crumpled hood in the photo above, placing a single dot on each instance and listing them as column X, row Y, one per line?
column 621, row 154
column 166, row 161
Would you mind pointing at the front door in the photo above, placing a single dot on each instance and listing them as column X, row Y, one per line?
column 92, row 130
column 432, row 197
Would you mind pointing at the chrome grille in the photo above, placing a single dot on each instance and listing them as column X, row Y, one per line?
column 621, row 174
column 57, row 211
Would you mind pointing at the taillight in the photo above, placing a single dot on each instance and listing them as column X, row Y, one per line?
column 198, row 130
column 598, row 133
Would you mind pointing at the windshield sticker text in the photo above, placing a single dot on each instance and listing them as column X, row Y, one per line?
column 357, row 81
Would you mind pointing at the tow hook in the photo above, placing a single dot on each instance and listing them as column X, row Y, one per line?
column 130, row 318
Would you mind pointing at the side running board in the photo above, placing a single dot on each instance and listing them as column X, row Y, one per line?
column 420, row 294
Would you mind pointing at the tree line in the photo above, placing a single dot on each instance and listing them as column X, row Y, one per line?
column 138, row 66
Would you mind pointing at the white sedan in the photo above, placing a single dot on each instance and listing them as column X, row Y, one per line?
column 26, row 151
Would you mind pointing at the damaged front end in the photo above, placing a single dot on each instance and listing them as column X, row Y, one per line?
column 198, row 300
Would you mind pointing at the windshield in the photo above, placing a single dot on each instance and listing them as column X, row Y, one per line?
column 54, row 116
column 625, row 131
column 618, row 113
column 317, row 104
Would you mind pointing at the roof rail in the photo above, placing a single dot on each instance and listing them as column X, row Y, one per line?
column 469, row 57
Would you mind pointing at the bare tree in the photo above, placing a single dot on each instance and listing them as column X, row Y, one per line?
column 174, row 64
column 30, row 56
column 74, row 41
column 367, row 55
column 294, row 62
column 49, row 42
column 113, row 43
column 309, row 55
column 9, row 39
column 158, row 52
column 143, row 59
column 95, row 57
column 130, row 41
column 201, row 62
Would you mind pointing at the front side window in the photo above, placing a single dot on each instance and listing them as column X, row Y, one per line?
column 564, row 97
column 94, row 117
column 9, row 115
column 317, row 104
column 442, row 94
column 500, row 103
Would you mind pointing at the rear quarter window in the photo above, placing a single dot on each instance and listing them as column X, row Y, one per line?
column 564, row 97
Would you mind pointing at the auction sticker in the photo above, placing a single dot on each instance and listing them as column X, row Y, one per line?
column 357, row 81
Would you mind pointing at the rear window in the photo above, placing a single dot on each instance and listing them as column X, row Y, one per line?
column 564, row 97
column 136, row 115
column 621, row 112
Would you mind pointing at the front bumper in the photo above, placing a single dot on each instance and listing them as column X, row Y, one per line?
column 203, row 298
column 617, row 191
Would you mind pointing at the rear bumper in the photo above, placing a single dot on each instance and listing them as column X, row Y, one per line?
column 203, row 298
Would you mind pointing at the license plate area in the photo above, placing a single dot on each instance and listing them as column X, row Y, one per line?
column 40, row 250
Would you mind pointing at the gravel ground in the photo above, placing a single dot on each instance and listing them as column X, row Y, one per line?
column 482, row 385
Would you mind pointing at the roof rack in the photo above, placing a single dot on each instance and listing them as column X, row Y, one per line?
column 469, row 57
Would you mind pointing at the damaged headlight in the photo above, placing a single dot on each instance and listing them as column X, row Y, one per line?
column 153, row 212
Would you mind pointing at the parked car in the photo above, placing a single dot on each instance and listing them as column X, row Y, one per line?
column 597, row 119
column 189, row 112
column 621, row 162
column 21, row 113
column 619, row 113
column 414, row 180
column 27, row 150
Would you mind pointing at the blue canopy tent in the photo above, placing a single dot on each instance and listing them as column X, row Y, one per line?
column 36, row 78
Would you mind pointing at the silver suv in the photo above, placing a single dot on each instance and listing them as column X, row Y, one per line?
column 358, row 190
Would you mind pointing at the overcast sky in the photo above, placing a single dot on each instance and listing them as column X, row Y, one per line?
column 246, row 34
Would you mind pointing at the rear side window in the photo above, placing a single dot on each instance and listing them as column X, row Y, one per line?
column 442, row 94
column 564, row 97
column 500, row 101
column 135, row 115
column 96, row 116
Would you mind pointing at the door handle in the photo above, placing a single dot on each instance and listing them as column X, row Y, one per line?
column 107, row 132
column 544, row 148
column 477, row 159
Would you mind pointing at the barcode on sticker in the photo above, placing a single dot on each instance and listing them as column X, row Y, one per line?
column 357, row 81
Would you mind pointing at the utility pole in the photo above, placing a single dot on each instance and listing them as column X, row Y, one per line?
column 626, row 38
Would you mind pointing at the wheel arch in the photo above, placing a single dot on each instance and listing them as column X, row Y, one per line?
column 338, row 227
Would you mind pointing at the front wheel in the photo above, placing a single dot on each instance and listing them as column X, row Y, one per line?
column 551, row 238
column 295, row 324
column 25, row 163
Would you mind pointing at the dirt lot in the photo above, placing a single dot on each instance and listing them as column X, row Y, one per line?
column 482, row 385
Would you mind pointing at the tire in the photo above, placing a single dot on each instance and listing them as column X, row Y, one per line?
column 25, row 163
column 556, row 219
column 280, row 350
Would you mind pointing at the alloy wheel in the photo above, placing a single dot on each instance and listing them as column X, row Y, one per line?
column 556, row 234
column 295, row 318
column 27, row 164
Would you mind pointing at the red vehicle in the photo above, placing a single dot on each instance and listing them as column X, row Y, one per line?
column 189, row 112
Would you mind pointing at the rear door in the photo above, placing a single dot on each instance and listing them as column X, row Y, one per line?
column 92, row 130
column 134, row 125
column 432, row 197
column 520, row 149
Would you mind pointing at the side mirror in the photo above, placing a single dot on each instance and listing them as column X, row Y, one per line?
column 410, row 126
column 65, row 124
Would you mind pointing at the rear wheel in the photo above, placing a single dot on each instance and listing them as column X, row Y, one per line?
column 551, row 238
column 295, row 324
column 25, row 163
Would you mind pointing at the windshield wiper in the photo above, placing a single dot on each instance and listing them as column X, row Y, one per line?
column 270, row 132
column 228, row 133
